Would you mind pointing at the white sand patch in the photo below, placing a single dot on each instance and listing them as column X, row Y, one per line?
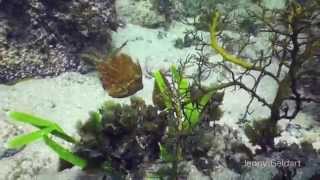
column 146, row 46
column 64, row 99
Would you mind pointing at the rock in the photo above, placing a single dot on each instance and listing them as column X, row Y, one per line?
column 224, row 174
column 294, row 130
column 308, row 172
column 69, row 174
column 193, row 172
column 140, row 13
column 212, row 148
column 263, row 173
column 191, row 8
column 26, row 164
column 8, row 130
column 304, row 164
column 274, row 4
column 41, row 38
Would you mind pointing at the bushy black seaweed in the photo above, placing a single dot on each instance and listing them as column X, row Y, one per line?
column 120, row 139
column 122, row 136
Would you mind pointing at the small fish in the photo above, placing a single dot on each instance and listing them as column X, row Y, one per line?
column 120, row 76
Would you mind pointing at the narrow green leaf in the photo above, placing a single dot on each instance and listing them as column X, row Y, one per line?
column 153, row 177
column 193, row 112
column 64, row 153
column 205, row 99
column 165, row 155
column 184, row 89
column 22, row 140
column 33, row 120
column 63, row 135
column 182, row 83
column 160, row 81
column 95, row 118
column 164, row 90
column 192, row 116
column 41, row 123
column 175, row 74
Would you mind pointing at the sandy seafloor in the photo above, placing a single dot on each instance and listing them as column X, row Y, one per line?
column 68, row 98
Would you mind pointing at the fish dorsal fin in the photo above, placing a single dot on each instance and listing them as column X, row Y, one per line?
column 114, row 52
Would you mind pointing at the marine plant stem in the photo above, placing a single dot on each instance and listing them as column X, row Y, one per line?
column 226, row 56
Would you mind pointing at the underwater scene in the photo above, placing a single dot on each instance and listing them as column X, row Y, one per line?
column 159, row 89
